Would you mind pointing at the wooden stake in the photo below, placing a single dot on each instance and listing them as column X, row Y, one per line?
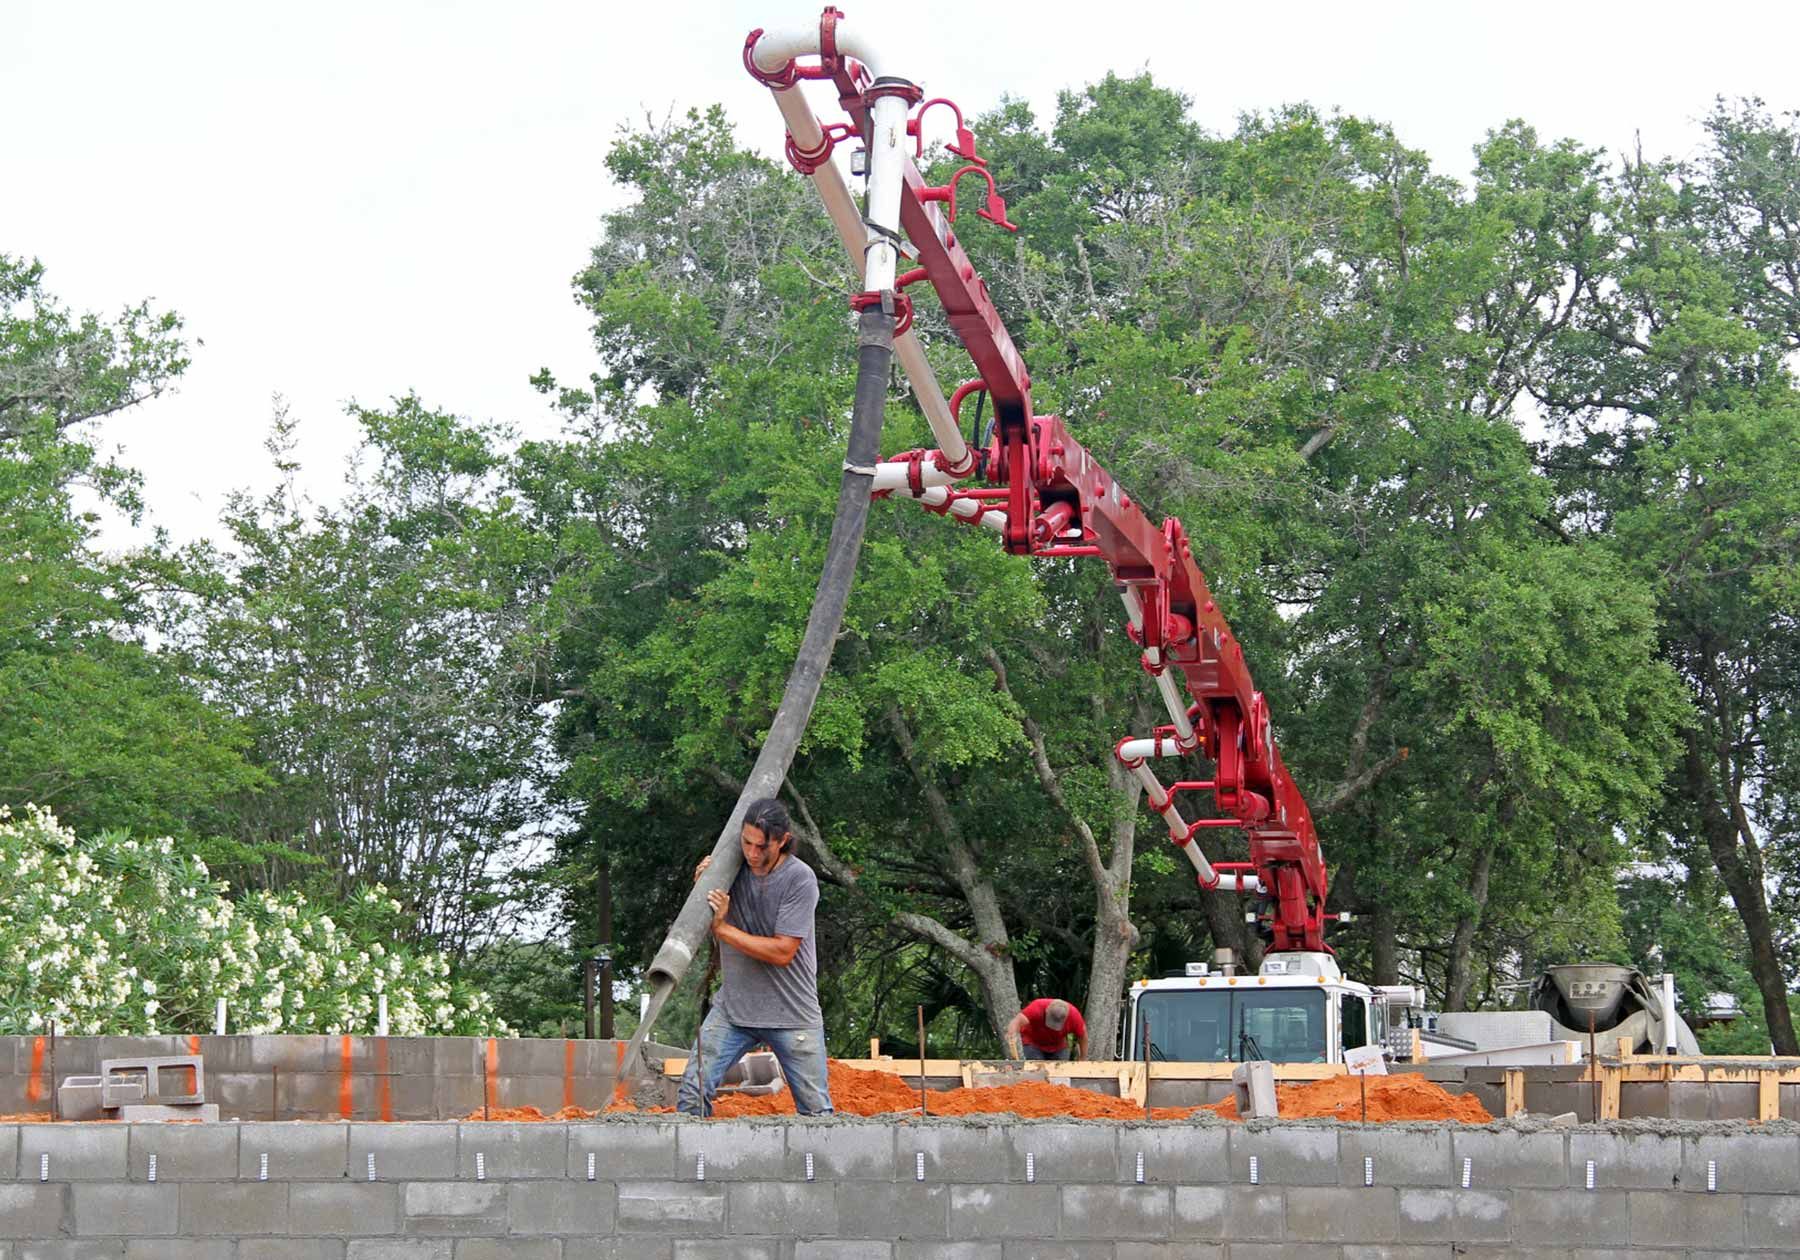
column 922, row 1108
column 1364, row 1081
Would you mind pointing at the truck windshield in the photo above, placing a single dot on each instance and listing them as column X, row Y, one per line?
column 1231, row 1025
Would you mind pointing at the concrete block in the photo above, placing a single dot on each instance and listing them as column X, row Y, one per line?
column 1064, row 1152
column 1169, row 1251
column 410, row 1098
column 1342, row 1214
column 184, row 1249
column 101, row 1209
column 1547, row 1217
column 1625, row 1161
column 85, row 1249
column 352, row 1209
column 1426, row 1215
column 224, row 1208
column 629, row 1248
column 404, row 1152
column 1003, row 1211
column 671, row 1207
column 1283, row 1251
column 736, row 1249
column 1032, row 1250
column 1646, row 1100
column 1403, row 1157
column 543, row 1092
column 242, row 1095
column 1400, row 1251
column 454, row 1208
column 1771, row 1220
column 1253, row 1087
column 319, row 1096
column 453, row 1097
column 508, row 1249
column 895, row 1210
column 297, row 1150
column 624, row 1151
column 78, row 1152
column 531, row 1056
column 952, row 1153
column 31, row 1210
column 293, row 1053
column 1285, row 1157
column 947, row 1251
column 287, row 1249
column 1173, row 1154
column 514, row 1150
column 9, row 1151
column 1502, row 1159
column 561, row 1207
column 1116, row 1211
column 1661, row 1219
column 735, row 1150
column 460, row 1056
column 788, row 1208
column 841, row 1152
column 1231, row 1212
column 184, row 1152
column 843, row 1249
column 397, row 1249
column 1746, row 1163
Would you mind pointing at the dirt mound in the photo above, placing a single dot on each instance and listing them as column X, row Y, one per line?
column 859, row 1093
column 1403, row 1097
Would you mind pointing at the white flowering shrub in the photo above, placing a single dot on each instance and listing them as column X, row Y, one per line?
column 107, row 934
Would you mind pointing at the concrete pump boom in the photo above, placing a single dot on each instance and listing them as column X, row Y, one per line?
column 1047, row 496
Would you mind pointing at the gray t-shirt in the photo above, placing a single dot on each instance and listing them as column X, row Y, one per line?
column 755, row 994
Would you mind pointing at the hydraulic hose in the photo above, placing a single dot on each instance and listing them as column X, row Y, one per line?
column 875, row 349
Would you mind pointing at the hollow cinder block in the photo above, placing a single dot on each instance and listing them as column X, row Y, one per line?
column 1108, row 1211
column 1063, row 1152
column 1172, row 1153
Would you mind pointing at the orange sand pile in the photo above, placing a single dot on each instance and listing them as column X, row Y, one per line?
column 530, row 1114
column 1402, row 1097
column 859, row 1093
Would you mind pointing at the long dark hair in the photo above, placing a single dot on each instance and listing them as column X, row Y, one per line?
column 770, row 817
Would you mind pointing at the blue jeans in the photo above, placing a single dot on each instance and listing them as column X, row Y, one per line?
column 800, row 1051
column 1032, row 1052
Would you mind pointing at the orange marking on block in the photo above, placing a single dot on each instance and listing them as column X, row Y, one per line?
column 345, row 1093
column 34, row 1084
column 568, row 1073
column 493, row 1069
column 193, row 1043
column 193, row 1073
column 383, row 1094
column 618, row 1054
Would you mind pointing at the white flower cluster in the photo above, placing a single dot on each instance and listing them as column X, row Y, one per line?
column 111, row 935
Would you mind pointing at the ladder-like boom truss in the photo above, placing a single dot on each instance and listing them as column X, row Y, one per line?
column 1045, row 495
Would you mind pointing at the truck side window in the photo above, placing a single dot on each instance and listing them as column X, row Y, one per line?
column 1354, row 1019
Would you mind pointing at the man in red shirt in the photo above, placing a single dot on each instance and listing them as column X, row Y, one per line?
column 1043, row 1029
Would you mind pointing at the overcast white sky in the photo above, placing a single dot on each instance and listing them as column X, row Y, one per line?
column 348, row 201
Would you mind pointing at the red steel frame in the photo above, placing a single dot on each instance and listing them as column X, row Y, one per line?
column 1060, row 501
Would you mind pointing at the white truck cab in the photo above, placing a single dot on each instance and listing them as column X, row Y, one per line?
column 1298, row 1008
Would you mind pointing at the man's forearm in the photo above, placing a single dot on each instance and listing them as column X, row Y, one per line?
column 777, row 951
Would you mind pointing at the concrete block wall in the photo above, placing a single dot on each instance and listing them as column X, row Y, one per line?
column 868, row 1190
column 339, row 1077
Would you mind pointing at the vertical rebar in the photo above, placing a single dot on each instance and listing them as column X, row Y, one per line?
column 922, row 1108
column 1146, row 1039
column 700, row 1066
column 1593, row 1073
column 1365, row 1096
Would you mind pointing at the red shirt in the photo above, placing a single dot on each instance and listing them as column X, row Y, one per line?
column 1051, row 1040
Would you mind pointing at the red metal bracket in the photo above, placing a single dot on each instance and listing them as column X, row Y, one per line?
column 964, row 144
column 806, row 162
column 902, row 307
column 993, row 210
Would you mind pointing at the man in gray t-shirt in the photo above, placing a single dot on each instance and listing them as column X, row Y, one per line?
column 763, row 929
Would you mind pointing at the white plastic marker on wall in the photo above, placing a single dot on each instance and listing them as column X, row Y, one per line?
column 381, row 1021
column 1030, row 1166
column 1255, row 1171
column 262, row 1167
column 44, row 1166
column 919, row 1166
column 590, row 1165
column 700, row 1166
column 1590, row 1174
column 1712, row 1176
column 1140, row 1168
column 371, row 1165
column 1368, row 1170
column 1468, row 1170
column 150, row 1173
column 480, row 1166
column 809, row 1166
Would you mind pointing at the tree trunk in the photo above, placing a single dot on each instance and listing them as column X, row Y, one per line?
column 1384, row 946
column 1459, row 978
column 1741, row 869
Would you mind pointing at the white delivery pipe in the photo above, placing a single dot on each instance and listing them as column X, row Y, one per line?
column 772, row 52
column 962, row 509
column 895, row 475
column 1171, row 697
